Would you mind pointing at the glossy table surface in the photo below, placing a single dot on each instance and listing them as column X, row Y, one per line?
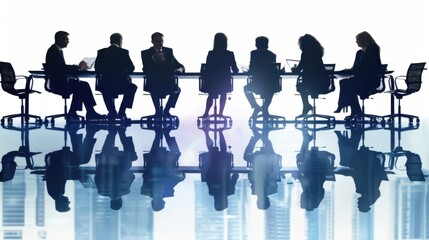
column 364, row 184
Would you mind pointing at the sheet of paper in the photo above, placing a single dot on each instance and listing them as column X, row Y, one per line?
column 89, row 61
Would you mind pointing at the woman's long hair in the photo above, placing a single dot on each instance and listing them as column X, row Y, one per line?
column 220, row 42
column 308, row 43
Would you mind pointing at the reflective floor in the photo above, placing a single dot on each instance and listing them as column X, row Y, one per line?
column 232, row 180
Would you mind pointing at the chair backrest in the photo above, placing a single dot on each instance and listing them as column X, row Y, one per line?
column 48, row 86
column 207, row 82
column 8, row 78
column 414, row 76
column 330, row 70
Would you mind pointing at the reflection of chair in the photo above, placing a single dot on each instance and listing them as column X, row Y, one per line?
column 8, row 160
column 413, row 80
column 266, row 83
column 64, row 95
column 371, row 118
column 314, row 117
column 413, row 163
column 215, row 118
column 9, row 83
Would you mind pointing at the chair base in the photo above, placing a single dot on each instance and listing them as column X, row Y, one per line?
column 315, row 118
column 268, row 120
column 157, row 121
column 413, row 122
column 25, row 118
column 51, row 118
column 215, row 121
column 365, row 119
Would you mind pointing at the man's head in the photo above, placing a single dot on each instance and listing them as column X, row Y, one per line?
column 157, row 40
column 261, row 42
column 116, row 38
column 62, row 39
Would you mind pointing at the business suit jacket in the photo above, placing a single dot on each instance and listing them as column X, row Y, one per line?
column 56, row 67
column 113, row 64
column 265, row 76
column 160, row 75
column 217, row 76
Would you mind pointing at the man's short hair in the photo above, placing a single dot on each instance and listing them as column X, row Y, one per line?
column 261, row 42
column 115, row 38
column 60, row 35
column 156, row 34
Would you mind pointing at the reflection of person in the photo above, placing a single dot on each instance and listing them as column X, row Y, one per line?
column 366, row 72
column 265, row 165
column 348, row 145
column 114, row 64
column 160, row 67
column 314, row 79
column 216, row 166
column 160, row 175
column 58, row 70
column 217, row 77
column 113, row 177
column 264, row 76
column 313, row 166
column 367, row 172
column 63, row 165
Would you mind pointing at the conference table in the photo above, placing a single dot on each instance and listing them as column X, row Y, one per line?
column 196, row 75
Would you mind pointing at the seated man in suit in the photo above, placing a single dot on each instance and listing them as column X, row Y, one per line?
column 113, row 64
column 160, row 67
column 58, row 70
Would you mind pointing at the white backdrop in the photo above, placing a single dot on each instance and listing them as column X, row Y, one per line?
column 28, row 27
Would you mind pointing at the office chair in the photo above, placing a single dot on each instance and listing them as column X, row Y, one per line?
column 413, row 81
column 161, row 119
column 275, row 86
column 372, row 119
column 214, row 118
column 64, row 95
column 314, row 117
column 8, row 83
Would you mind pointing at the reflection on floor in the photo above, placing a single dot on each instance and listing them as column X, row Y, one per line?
column 214, row 180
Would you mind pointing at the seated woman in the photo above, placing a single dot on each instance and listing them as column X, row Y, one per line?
column 314, row 78
column 366, row 70
column 219, row 64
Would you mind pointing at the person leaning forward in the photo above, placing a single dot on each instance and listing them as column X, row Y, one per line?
column 58, row 70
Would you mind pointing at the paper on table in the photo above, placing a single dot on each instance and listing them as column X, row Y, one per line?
column 89, row 61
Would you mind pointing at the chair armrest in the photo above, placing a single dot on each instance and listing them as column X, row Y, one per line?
column 401, row 77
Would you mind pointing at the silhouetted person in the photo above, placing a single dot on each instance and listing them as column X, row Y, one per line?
column 58, row 71
column 348, row 145
column 216, row 166
column 160, row 67
column 160, row 175
column 113, row 176
column 265, row 165
column 314, row 78
column 367, row 172
column 114, row 65
column 63, row 165
column 217, row 76
column 313, row 165
column 366, row 72
column 264, row 74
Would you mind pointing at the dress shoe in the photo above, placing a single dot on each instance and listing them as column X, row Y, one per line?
column 123, row 116
column 73, row 117
column 112, row 115
column 95, row 116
